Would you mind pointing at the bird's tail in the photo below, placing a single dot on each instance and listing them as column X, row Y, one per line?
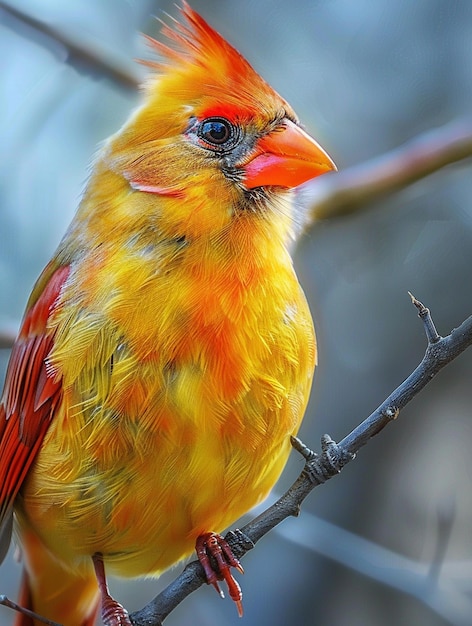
column 52, row 591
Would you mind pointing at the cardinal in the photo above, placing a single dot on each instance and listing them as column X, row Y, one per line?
column 167, row 350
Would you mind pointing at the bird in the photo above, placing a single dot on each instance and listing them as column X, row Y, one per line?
column 167, row 350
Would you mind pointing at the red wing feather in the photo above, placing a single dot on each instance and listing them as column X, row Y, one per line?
column 31, row 392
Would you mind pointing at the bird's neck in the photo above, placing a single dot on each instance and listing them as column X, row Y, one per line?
column 114, row 215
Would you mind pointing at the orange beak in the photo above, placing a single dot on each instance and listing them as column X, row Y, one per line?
column 286, row 157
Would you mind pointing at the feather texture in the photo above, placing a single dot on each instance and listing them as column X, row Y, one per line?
column 167, row 351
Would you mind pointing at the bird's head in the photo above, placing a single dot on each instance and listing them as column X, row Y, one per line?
column 211, row 129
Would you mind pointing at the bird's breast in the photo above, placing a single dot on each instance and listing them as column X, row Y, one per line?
column 180, row 391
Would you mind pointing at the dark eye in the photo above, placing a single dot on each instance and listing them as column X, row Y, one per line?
column 218, row 132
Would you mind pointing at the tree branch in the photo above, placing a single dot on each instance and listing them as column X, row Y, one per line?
column 358, row 186
column 86, row 53
column 320, row 467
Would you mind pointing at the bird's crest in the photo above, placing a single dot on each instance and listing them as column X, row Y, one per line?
column 209, row 64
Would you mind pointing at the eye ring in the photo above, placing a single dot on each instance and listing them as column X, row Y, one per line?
column 218, row 133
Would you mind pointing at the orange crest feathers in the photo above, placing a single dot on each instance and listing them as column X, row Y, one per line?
column 210, row 66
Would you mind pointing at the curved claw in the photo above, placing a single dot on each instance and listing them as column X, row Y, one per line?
column 213, row 545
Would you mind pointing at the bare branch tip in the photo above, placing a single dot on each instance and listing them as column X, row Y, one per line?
column 424, row 313
column 419, row 305
column 301, row 448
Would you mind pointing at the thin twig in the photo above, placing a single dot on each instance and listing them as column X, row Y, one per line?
column 437, row 355
column 424, row 313
column 4, row 601
column 318, row 468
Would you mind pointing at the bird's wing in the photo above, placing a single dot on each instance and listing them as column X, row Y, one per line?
column 31, row 395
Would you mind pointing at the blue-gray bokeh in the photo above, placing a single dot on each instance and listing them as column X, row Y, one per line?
column 364, row 77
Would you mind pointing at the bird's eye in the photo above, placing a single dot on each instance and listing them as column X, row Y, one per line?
column 218, row 132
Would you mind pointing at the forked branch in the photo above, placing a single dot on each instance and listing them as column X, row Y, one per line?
column 321, row 467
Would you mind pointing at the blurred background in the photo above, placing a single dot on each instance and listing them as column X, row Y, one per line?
column 364, row 77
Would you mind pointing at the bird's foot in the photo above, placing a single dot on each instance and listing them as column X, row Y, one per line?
column 113, row 613
column 212, row 547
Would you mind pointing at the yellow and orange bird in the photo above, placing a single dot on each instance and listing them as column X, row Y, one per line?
column 167, row 351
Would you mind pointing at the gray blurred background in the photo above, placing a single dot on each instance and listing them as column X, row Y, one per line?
column 364, row 78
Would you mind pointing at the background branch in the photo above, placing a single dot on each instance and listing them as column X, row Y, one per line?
column 88, row 54
column 449, row 600
column 356, row 187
